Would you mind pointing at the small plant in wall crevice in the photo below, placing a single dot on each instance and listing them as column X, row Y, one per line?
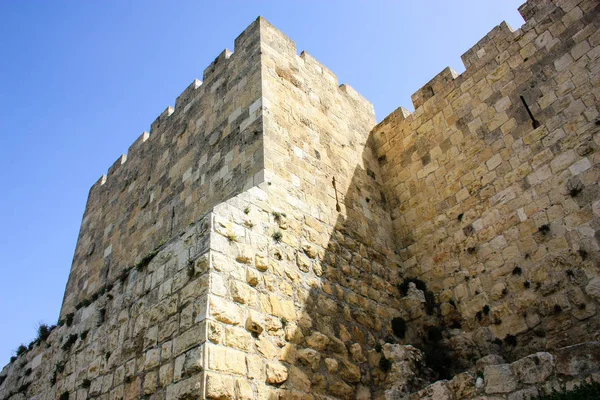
column 574, row 188
column 231, row 237
column 544, row 229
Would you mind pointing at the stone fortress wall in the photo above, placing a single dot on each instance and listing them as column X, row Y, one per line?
column 205, row 150
column 499, row 214
column 229, row 265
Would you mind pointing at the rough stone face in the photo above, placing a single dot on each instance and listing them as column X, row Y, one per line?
column 578, row 359
column 534, row 368
column 276, row 373
column 317, row 341
column 492, row 359
column 349, row 372
column 499, row 379
column 219, row 387
column 593, row 288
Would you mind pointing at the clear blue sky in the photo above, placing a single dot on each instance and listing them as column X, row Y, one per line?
column 80, row 81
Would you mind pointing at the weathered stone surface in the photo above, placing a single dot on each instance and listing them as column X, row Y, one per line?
column 578, row 359
column 534, row 368
column 317, row 341
column 492, row 359
column 593, row 288
column 243, row 390
column 309, row 357
column 524, row 394
column 254, row 323
column 276, row 373
column 224, row 311
column 341, row 389
column 219, row 387
column 189, row 388
column 499, row 379
column 349, row 372
column 462, row 386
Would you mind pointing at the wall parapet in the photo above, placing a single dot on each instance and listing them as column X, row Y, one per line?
column 164, row 181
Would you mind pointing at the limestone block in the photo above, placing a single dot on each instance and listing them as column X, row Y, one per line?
column 293, row 333
column 497, row 291
column 261, row 263
column 214, row 331
column 202, row 264
column 438, row 391
column 188, row 339
column 309, row 357
column 288, row 353
column 357, row 353
column 265, row 346
column 272, row 304
column 226, row 360
column 152, row 358
column 298, row 380
column 243, row 390
column 256, row 367
column 238, row 338
column 255, row 323
column 462, row 385
column 349, row 372
column 131, row 390
column 303, row 262
column 363, row 393
column 222, row 263
column 592, row 289
column 244, row 253
column 224, row 311
column 194, row 361
column 277, row 373
column 512, row 324
column 317, row 341
column 188, row 388
column 341, row 389
column 413, row 306
column 578, row 359
column 219, row 386
column 242, row 293
column 178, row 368
column 499, row 379
column 252, row 277
column 332, row 365
column 524, row 394
column 534, row 368
column 310, row 250
column 218, row 285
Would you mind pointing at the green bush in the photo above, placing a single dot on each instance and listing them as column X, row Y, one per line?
column 585, row 391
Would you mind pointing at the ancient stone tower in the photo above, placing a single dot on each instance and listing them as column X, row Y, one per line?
column 266, row 239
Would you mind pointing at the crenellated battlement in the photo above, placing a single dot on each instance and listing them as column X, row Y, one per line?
column 478, row 180
column 490, row 46
column 177, row 170
column 214, row 69
column 439, row 85
column 200, row 152
column 186, row 96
